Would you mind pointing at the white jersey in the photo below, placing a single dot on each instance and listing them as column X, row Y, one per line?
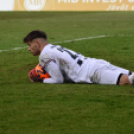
column 73, row 66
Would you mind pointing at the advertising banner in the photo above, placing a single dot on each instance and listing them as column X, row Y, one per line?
column 6, row 5
column 68, row 5
column 74, row 5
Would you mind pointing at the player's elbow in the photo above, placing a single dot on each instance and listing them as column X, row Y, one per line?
column 60, row 80
column 53, row 81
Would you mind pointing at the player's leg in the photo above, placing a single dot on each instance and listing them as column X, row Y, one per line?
column 116, row 68
column 106, row 73
column 124, row 80
column 125, row 77
column 131, row 78
column 107, row 76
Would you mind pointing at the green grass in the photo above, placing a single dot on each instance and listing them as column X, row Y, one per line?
column 37, row 108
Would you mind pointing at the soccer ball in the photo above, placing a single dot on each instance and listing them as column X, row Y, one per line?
column 40, row 72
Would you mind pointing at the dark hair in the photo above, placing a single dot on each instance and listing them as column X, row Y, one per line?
column 35, row 34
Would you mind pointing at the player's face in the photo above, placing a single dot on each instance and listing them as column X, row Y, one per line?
column 33, row 47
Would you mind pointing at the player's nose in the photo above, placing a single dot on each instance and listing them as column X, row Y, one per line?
column 29, row 49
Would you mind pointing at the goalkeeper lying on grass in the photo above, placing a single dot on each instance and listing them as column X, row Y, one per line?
column 64, row 65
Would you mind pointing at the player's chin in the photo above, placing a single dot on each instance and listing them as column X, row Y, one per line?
column 35, row 54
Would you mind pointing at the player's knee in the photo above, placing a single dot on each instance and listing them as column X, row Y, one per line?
column 123, row 80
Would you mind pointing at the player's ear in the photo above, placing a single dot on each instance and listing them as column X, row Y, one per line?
column 38, row 42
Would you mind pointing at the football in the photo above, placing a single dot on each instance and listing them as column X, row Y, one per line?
column 40, row 72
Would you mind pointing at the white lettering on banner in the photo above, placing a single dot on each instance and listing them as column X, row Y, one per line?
column 131, row 1
column 103, row 1
column 112, row 1
column 34, row 4
column 123, row 7
column 91, row 1
column 65, row 1
column 75, row 1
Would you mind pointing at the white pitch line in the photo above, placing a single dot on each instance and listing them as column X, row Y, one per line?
column 66, row 41
column 15, row 48
column 73, row 40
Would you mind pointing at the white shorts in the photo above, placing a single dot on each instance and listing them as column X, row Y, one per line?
column 106, row 73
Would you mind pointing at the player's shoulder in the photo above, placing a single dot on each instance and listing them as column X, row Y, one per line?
column 46, row 54
column 46, row 49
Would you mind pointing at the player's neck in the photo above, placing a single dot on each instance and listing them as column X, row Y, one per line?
column 43, row 47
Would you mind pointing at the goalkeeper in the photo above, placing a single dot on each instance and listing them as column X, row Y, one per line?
column 64, row 65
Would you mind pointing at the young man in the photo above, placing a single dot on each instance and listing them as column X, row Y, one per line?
column 66, row 65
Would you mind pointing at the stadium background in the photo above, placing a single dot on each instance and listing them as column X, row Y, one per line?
column 67, row 5
column 37, row 108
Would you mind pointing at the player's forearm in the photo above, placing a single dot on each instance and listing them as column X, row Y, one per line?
column 52, row 81
column 54, row 72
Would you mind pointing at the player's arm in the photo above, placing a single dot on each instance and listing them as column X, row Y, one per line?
column 55, row 73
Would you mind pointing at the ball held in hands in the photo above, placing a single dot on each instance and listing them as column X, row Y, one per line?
column 38, row 74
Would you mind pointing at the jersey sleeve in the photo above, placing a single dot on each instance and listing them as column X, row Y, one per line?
column 49, row 64
column 54, row 72
column 45, row 58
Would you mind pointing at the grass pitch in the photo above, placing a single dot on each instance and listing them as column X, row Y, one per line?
column 36, row 108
